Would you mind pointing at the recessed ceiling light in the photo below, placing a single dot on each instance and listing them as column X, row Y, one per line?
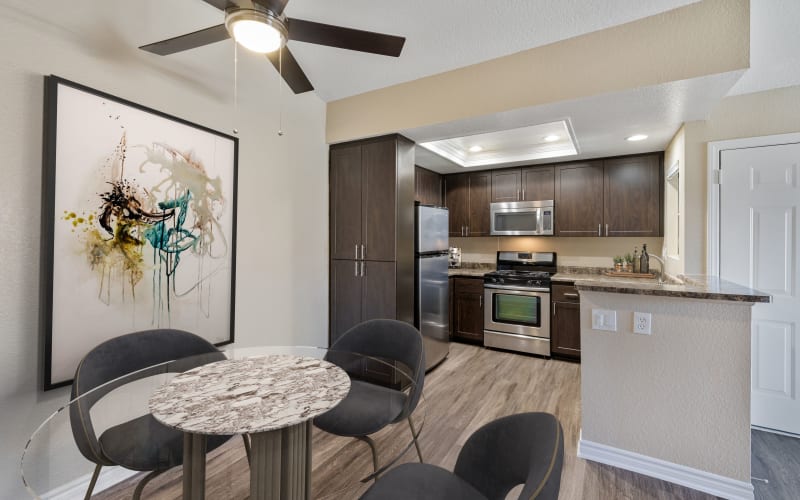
column 551, row 138
column 636, row 137
column 475, row 149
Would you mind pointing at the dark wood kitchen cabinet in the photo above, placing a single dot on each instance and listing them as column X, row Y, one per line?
column 427, row 187
column 371, row 232
column 467, row 309
column 467, row 197
column 565, row 330
column 526, row 184
column 579, row 199
column 612, row 197
column 632, row 196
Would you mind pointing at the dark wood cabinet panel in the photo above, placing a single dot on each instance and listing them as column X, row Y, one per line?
column 372, row 232
column 346, row 294
column 378, row 160
column 379, row 290
column 506, row 185
column 467, row 311
column 579, row 199
column 538, row 183
column 457, row 202
column 566, row 331
column 345, row 195
column 427, row 187
column 480, row 195
column 450, row 294
column 632, row 196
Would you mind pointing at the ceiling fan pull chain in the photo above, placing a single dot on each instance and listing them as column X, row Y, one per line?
column 280, row 92
column 235, row 88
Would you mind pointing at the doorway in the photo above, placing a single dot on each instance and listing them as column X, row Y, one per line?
column 754, row 198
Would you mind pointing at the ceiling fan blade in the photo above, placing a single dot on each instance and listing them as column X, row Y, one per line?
column 221, row 4
column 345, row 38
column 291, row 71
column 275, row 6
column 189, row 41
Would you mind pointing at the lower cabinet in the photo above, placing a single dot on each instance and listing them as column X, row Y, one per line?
column 565, row 331
column 467, row 309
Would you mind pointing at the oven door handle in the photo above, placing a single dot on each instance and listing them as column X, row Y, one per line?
column 516, row 288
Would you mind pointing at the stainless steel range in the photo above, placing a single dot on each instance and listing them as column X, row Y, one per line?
column 517, row 302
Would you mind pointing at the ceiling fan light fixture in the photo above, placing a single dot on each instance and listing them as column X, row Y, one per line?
column 258, row 31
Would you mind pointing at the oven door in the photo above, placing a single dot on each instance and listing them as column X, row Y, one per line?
column 517, row 310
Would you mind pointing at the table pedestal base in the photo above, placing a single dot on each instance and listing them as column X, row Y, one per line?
column 280, row 464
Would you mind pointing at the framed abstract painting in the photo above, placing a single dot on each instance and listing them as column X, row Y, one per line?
column 139, row 225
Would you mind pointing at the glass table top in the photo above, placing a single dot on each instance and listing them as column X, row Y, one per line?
column 113, row 419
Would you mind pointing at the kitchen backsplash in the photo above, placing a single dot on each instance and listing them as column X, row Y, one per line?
column 582, row 252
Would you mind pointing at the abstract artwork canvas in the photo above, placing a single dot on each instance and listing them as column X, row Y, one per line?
column 139, row 225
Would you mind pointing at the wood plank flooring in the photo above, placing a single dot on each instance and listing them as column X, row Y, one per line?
column 472, row 387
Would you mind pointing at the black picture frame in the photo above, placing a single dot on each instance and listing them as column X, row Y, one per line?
column 84, row 119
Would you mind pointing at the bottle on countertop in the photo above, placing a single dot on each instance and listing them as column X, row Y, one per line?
column 644, row 260
column 636, row 264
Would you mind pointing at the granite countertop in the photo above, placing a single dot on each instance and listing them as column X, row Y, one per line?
column 471, row 270
column 692, row 287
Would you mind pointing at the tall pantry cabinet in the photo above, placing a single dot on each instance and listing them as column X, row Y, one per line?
column 371, row 232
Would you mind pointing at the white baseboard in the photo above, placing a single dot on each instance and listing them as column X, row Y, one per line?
column 696, row 479
column 109, row 476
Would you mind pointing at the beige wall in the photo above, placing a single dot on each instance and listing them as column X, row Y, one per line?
column 751, row 115
column 645, row 52
column 281, row 295
column 674, row 204
column 587, row 252
column 681, row 394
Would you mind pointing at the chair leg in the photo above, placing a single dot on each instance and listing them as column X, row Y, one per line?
column 371, row 444
column 414, row 436
column 93, row 481
column 246, row 440
column 137, row 493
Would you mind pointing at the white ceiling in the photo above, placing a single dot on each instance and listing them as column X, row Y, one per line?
column 441, row 35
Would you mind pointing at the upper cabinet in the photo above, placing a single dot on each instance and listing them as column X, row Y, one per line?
column 527, row 184
column 632, row 196
column 428, row 187
column 467, row 196
column 579, row 199
column 613, row 197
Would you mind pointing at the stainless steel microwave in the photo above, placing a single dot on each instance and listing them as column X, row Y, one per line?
column 522, row 218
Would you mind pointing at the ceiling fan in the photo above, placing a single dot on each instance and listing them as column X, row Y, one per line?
column 260, row 26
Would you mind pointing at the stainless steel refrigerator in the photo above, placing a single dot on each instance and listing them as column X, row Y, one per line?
column 432, row 301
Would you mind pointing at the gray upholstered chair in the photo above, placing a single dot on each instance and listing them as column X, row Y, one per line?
column 370, row 407
column 527, row 448
column 141, row 444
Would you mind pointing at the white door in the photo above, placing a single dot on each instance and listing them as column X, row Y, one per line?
column 759, row 200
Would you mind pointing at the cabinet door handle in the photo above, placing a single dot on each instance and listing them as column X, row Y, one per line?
column 363, row 269
column 480, row 301
column 523, row 194
column 518, row 198
column 355, row 269
column 571, row 295
column 606, row 229
column 363, row 252
column 554, row 309
column 599, row 233
column 356, row 257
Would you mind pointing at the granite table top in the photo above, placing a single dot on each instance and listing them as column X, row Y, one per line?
column 256, row 394
column 471, row 270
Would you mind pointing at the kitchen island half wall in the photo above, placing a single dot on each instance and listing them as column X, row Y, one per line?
column 673, row 404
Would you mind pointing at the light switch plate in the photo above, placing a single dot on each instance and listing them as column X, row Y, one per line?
column 604, row 319
column 642, row 323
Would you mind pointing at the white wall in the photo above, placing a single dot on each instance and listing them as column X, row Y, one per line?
column 281, row 283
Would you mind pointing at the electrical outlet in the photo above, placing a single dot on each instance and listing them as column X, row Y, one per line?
column 642, row 323
column 604, row 319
